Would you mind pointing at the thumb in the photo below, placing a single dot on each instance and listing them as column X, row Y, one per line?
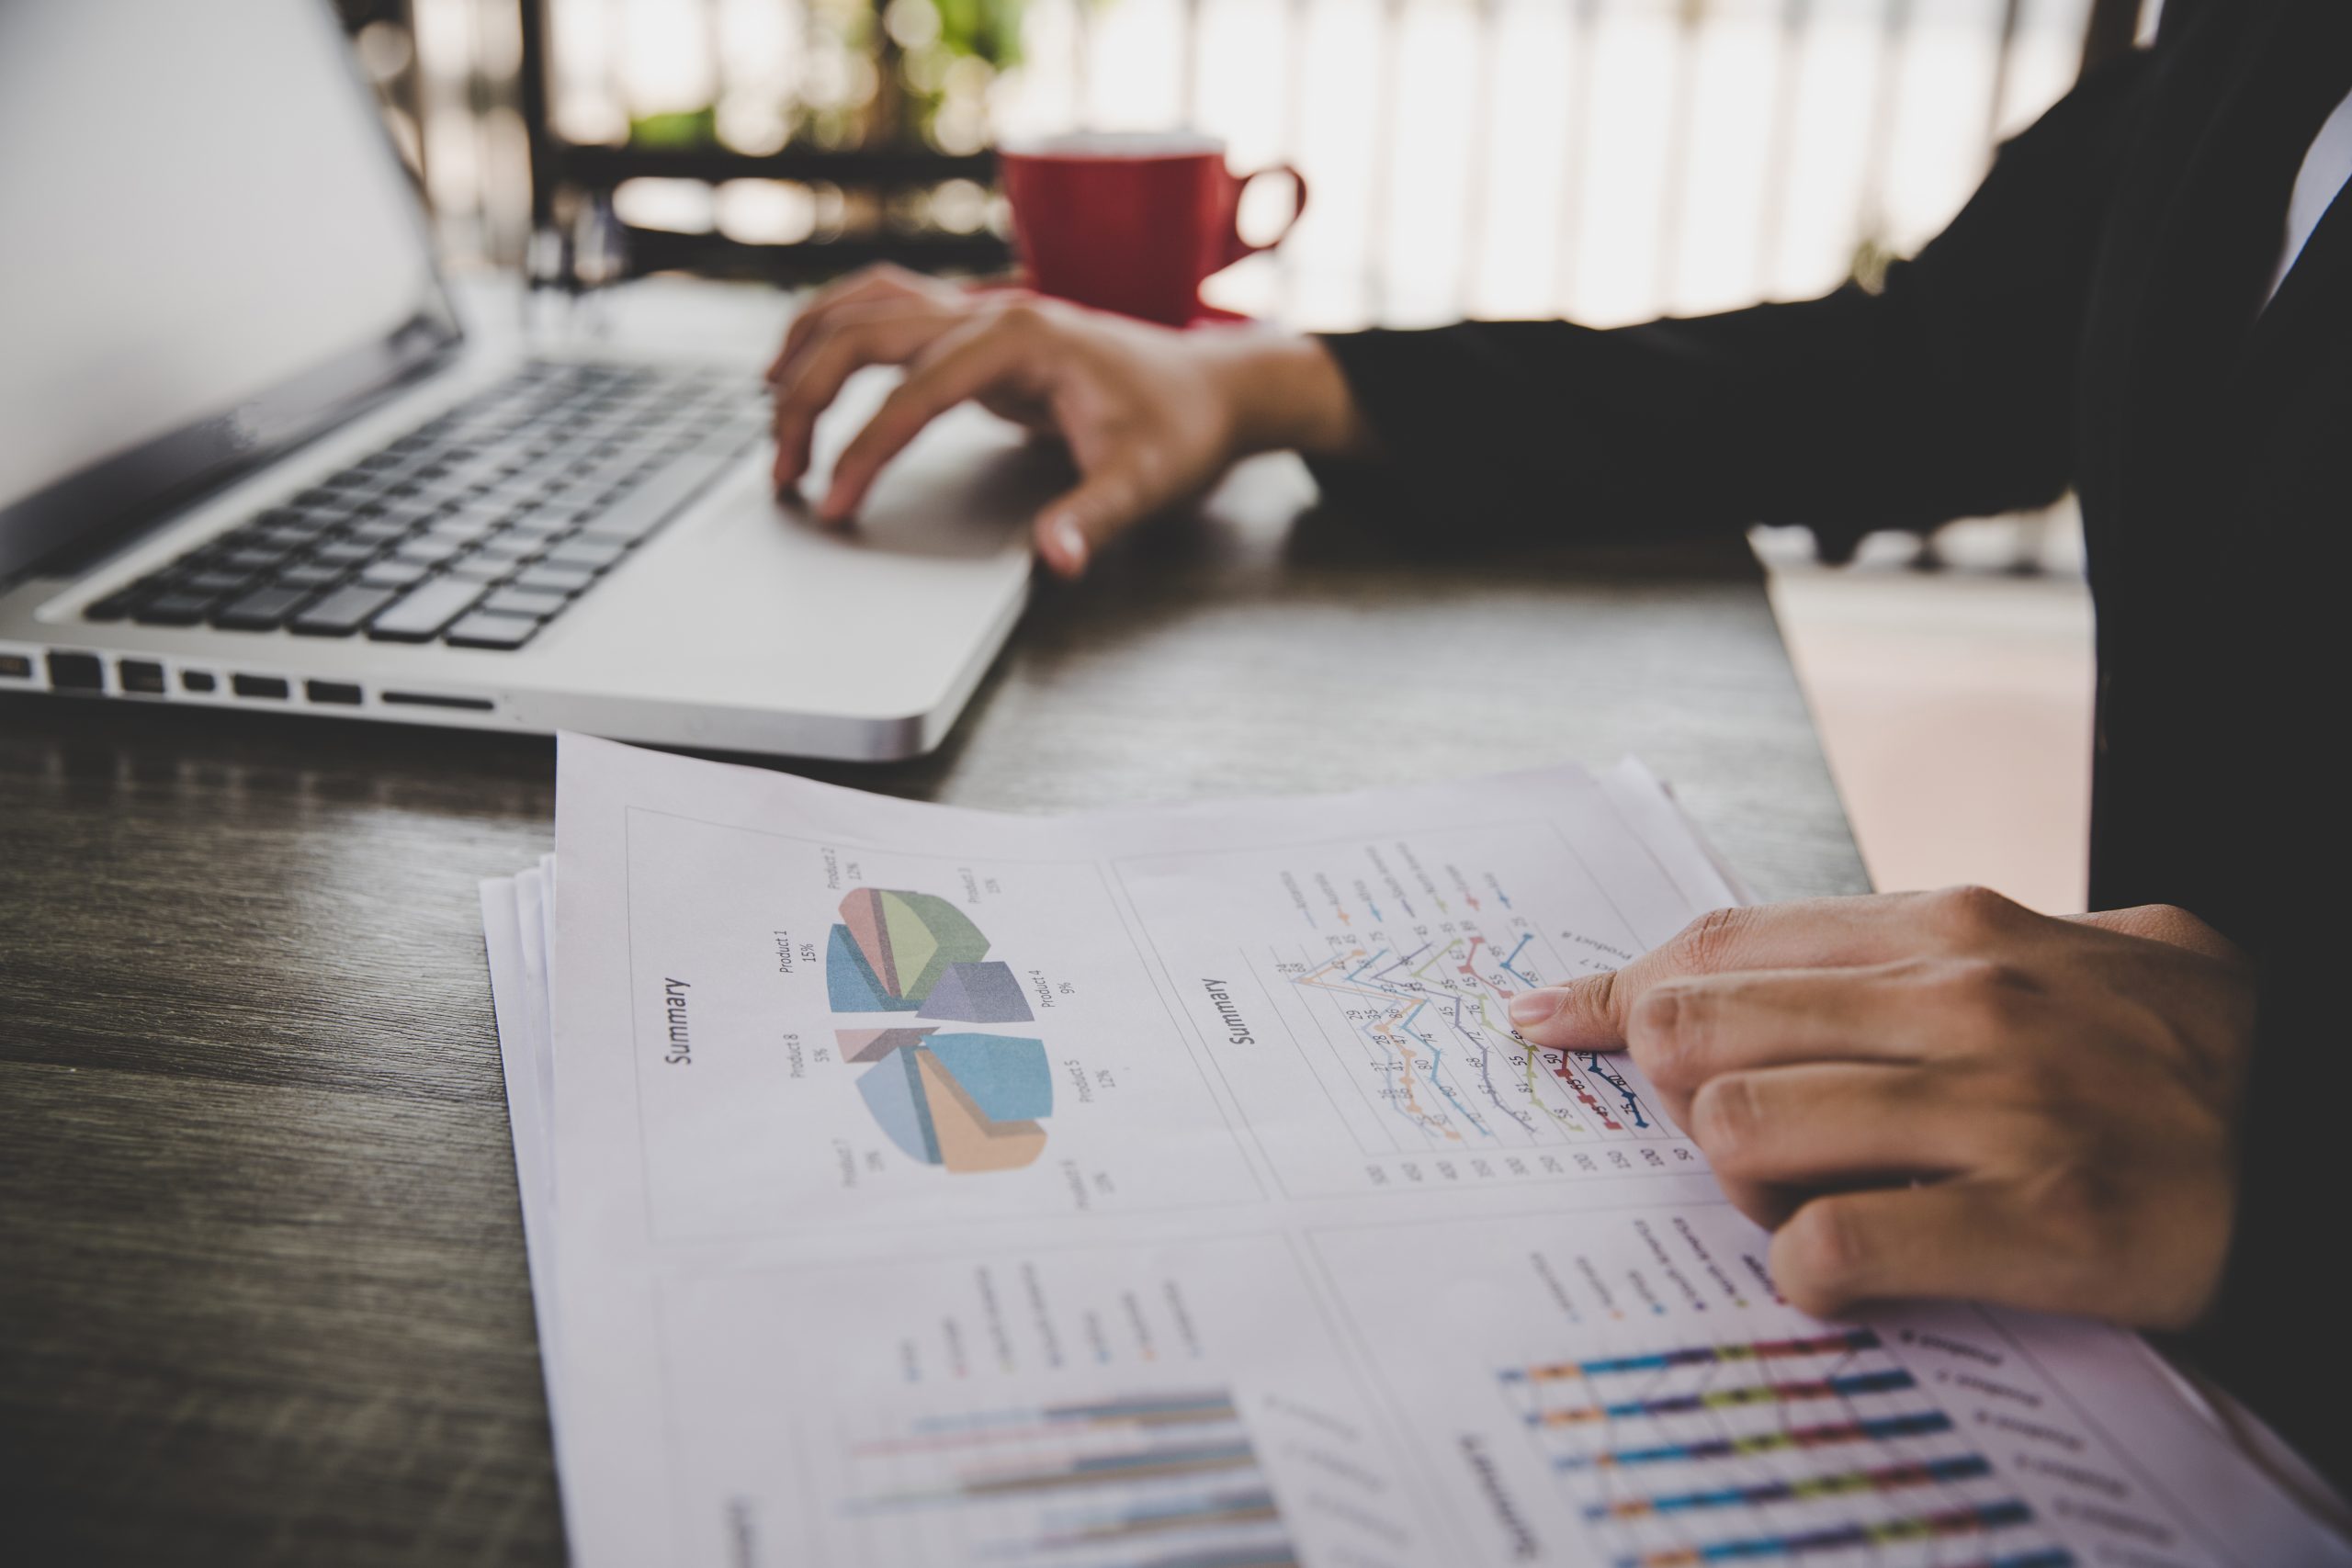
column 1070, row 527
column 1583, row 1015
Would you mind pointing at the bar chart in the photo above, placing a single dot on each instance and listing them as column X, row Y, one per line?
column 1157, row 1480
column 1771, row 1450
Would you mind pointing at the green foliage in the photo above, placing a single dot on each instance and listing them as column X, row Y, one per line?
column 687, row 127
column 988, row 30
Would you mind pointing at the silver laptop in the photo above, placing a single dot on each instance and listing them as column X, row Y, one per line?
column 249, row 458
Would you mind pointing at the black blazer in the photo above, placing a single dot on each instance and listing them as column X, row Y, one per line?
column 2093, row 317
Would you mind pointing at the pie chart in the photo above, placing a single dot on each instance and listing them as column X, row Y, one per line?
column 963, row 1102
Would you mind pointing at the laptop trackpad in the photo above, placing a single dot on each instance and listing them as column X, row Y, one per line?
column 745, row 590
column 954, row 491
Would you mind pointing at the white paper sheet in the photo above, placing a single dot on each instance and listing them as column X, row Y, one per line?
column 1275, row 1248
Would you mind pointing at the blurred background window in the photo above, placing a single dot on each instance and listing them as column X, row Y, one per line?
column 1610, row 160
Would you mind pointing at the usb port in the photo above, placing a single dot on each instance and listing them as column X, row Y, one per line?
column 76, row 673
column 16, row 666
column 142, row 675
column 259, row 686
column 341, row 692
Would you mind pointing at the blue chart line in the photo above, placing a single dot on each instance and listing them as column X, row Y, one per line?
column 1595, row 1064
column 1525, row 938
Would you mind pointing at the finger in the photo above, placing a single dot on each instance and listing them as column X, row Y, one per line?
column 1688, row 1030
column 1069, row 528
column 968, row 361
column 1959, row 1239
column 1591, row 1015
column 820, row 308
column 870, row 286
column 1842, row 1123
column 845, row 347
column 1767, row 1205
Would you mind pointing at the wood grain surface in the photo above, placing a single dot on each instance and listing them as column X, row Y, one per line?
column 262, row 1294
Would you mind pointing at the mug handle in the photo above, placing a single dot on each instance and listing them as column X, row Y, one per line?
column 1235, row 247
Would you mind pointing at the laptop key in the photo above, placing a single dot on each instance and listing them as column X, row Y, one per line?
column 264, row 609
column 463, row 526
column 376, row 530
column 175, row 609
column 423, row 610
column 430, row 549
column 252, row 557
column 586, row 552
column 343, row 612
column 513, row 552
column 310, row 575
column 408, row 514
column 483, row 629
column 484, row 570
column 555, row 579
column 535, row 603
column 343, row 552
column 391, row 572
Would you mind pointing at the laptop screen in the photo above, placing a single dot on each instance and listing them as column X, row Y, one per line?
column 211, row 251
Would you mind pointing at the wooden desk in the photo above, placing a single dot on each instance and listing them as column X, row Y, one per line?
column 261, row 1295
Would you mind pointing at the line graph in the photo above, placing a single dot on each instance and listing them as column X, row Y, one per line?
column 1414, row 1031
column 1353, row 996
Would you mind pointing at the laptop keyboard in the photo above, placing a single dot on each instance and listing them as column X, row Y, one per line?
column 478, row 527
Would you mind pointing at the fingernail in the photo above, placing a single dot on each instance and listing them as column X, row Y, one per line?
column 1535, row 1006
column 1069, row 541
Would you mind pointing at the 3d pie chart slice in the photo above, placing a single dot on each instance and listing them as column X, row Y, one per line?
column 967, row 1102
column 979, row 993
column 893, row 948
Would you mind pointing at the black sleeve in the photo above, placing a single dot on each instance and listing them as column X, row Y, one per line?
column 1944, row 395
column 2269, row 1338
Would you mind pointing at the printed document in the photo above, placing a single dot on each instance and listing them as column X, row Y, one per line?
column 1165, row 1187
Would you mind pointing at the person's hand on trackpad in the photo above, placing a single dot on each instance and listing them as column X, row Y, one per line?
column 1152, row 416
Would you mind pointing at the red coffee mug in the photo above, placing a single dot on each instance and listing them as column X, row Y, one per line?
column 1130, row 222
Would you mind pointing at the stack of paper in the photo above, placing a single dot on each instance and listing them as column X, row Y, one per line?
column 907, row 1185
